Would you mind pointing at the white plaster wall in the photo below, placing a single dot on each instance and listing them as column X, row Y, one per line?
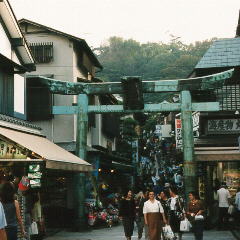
column 15, row 58
column 62, row 64
column 5, row 45
column 88, row 65
column 61, row 127
column 76, row 71
column 19, row 93
column 78, row 74
column 98, row 138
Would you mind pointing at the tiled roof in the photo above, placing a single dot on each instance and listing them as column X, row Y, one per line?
column 18, row 122
column 222, row 53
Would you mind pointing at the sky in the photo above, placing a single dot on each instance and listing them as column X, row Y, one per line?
column 142, row 20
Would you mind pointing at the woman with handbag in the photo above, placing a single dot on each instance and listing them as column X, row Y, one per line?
column 154, row 217
column 195, row 211
column 176, row 212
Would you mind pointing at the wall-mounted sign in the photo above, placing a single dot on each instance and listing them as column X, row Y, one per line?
column 223, row 126
column 8, row 151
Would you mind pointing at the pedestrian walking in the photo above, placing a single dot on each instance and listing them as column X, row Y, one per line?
column 142, row 198
column 237, row 204
column 37, row 217
column 164, row 196
column 127, row 214
column 3, row 223
column 176, row 213
column 223, row 197
column 154, row 217
column 195, row 211
column 12, row 211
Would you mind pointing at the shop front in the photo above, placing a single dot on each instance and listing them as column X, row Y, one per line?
column 216, row 165
column 24, row 152
column 112, row 175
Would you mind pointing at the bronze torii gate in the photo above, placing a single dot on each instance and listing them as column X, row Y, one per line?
column 184, row 86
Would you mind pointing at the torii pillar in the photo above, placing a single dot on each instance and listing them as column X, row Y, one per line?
column 190, row 180
column 81, row 151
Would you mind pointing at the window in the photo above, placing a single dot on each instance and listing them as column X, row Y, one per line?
column 229, row 97
column 39, row 101
column 42, row 52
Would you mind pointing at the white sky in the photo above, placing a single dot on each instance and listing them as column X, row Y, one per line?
column 142, row 20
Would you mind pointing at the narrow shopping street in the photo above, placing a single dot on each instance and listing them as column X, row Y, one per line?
column 116, row 233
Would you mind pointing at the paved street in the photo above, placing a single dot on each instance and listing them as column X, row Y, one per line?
column 116, row 233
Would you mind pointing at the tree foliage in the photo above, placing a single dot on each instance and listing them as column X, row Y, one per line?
column 128, row 129
column 151, row 61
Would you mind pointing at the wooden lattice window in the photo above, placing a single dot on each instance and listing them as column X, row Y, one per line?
column 42, row 52
column 229, row 97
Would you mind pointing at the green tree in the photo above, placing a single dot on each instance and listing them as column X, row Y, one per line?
column 171, row 60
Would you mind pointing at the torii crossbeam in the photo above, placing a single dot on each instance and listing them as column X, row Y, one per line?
column 184, row 86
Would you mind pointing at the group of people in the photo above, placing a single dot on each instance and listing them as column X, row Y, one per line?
column 152, row 212
column 10, row 212
column 227, row 207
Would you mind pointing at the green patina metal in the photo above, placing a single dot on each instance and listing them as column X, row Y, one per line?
column 184, row 86
column 79, row 179
column 160, row 107
column 200, row 83
column 188, row 145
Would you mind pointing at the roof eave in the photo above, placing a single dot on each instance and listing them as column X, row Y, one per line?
column 14, row 30
column 79, row 40
column 91, row 54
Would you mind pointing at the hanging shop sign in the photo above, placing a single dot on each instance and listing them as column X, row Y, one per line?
column 163, row 131
column 35, row 175
column 178, row 133
column 178, row 129
column 8, row 151
column 223, row 126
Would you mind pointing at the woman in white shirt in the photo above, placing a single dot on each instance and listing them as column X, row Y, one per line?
column 154, row 217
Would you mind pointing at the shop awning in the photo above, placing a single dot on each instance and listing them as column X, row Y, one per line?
column 217, row 154
column 55, row 156
column 122, row 166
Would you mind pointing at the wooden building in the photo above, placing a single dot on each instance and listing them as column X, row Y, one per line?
column 217, row 148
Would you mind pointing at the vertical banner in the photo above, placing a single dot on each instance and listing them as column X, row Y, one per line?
column 178, row 133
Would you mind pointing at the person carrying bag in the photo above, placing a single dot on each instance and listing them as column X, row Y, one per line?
column 176, row 212
column 154, row 217
column 195, row 215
